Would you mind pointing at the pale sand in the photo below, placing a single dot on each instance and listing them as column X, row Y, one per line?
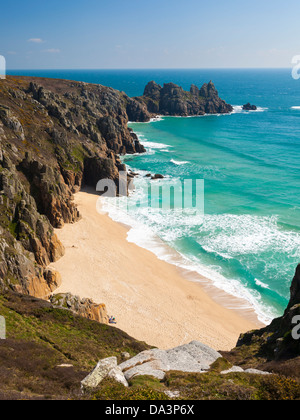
column 151, row 299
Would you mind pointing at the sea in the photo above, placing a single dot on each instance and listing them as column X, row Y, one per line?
column 247, row 239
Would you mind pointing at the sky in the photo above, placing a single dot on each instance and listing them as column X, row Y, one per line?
column 120, row 34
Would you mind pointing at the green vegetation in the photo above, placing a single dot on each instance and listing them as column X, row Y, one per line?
column 76, row 132
column 78, row 153
column 49, row 351
column 141, row 388
column 41, row 338
column 234, row 386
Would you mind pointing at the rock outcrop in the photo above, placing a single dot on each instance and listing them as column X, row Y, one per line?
column 99, row 373
column 249, row 107
column 105, row 368
column 238, row 369
column 194, row 357
column 273, row 348
column 172, row 100
column 294, row 291
column 28, row 243
column 276, row 340
column 83, row 307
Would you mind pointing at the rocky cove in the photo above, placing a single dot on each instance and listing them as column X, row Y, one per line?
column 55, row 137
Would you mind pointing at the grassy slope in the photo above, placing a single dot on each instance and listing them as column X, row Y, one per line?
column 40, row 338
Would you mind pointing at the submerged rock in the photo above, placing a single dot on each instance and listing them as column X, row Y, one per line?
column 157, row 176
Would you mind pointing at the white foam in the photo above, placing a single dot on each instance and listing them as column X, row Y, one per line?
column 147, row 237
column 238, row 109
column 261, row 284
column 295, row 107
column 154, row 145
column 246, row 234
column 158, row 118
column 151, row 144
column 177, row 162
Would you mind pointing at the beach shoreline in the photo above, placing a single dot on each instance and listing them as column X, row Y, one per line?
column 152, row 300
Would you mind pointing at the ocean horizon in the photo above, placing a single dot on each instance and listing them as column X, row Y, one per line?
column 248, row 243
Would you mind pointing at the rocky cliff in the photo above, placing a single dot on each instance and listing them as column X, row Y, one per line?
column 172, row 100
column 274, row 348
column 54, row 136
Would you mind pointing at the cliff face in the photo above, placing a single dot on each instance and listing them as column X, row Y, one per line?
column 274, row 348
column 174, row 101
column 54, row 136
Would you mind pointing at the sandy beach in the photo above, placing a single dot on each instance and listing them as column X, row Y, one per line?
column 152, row 300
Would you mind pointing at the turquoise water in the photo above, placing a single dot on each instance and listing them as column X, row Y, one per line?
column 250, row 234
column 249, row 239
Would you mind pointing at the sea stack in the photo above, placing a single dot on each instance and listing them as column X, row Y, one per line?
column 171, row 99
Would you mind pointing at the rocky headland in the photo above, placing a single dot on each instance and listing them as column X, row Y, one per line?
column 172, row 100
column 55, row 136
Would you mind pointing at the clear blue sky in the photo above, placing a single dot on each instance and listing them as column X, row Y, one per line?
column 149, row 34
